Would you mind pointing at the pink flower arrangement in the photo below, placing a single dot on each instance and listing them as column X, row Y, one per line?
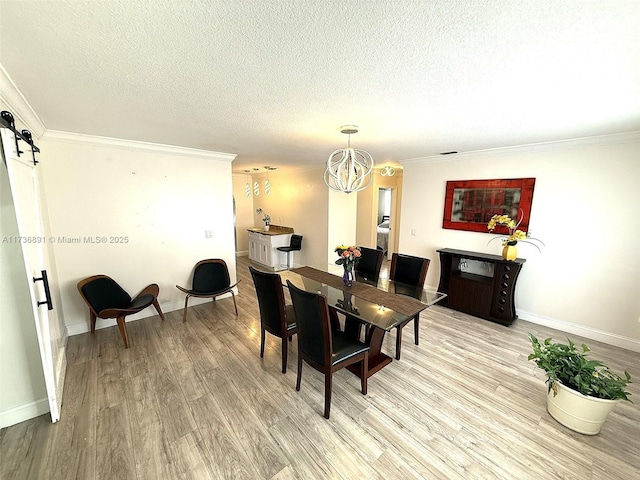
column 349, row 256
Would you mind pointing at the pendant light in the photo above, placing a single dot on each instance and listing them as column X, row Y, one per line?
column 348, row 168
column 267, row 183
column 388, row 171
column 256, row 186
column 247, row 186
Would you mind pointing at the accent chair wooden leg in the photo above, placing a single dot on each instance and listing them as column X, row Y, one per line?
column 416, row 328
column 262, row 338
column 327, row 394
column 157, row 307
column 234, row 302
column 93, row 322
column 184, row 315
column 123, row 330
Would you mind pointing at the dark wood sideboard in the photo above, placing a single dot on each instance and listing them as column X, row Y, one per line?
column 480, row 284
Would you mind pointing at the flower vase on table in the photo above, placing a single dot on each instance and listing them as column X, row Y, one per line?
column 348, row 278
column 509, row 251
column 509, row 242
column 349, row 256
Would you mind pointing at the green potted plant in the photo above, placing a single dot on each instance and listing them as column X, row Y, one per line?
column 581, row 392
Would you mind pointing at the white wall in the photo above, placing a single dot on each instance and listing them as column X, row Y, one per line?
column 244, row 214
column 343, row 210
column 585, row 209
column 299, row 199
column 149, row 204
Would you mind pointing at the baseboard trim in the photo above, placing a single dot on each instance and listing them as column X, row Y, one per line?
column 24, row 412
column 84, row 327
column 587, row 332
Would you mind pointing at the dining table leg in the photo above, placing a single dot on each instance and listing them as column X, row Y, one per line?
column 373, row 337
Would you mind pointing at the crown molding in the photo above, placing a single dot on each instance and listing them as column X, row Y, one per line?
column 18, row 105
column 613, row 139
column 157, row 148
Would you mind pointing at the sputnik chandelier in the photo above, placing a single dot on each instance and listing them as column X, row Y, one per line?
column 348, row 168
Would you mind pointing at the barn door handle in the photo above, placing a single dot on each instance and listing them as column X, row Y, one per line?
column 47, row 292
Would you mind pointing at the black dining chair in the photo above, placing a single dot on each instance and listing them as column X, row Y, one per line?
column 106, row 299
column 210, row 280
column 369, row 265
column 323, row 349
column 276, row 317
column 408, row 270
column 295, row 245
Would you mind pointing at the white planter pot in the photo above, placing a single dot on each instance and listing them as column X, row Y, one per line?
column 266, row 228
column 578, row 412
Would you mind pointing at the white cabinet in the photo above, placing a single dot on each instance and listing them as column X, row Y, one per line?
column 254, row 246
column 262, row 249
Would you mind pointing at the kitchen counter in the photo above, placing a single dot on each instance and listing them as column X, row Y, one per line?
column 263, row 246
column 273, row 230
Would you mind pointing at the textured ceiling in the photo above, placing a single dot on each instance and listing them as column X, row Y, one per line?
column 273, row 80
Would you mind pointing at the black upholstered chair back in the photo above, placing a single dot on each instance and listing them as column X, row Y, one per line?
column 103, row 293
column 312, row 317
column 270, row 299
column 211, row 276
column 370, row 263
column 296, row 242
column 409, row 269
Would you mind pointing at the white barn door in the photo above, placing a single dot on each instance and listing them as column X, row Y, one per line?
column 50, row 332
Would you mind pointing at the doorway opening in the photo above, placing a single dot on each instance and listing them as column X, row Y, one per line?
column 385, row 219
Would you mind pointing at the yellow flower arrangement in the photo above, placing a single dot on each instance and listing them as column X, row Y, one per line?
column 515, row 235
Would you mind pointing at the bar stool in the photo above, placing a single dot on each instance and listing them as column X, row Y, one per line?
column 294, row 246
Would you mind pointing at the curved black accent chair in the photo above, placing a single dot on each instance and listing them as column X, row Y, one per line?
column 369, row 265
column 210, row 280
column 106, row 299
column 276, row 317
column 295, row 245
column 408, row 270
column 323, row 349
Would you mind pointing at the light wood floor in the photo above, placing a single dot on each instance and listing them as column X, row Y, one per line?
column 195, row 401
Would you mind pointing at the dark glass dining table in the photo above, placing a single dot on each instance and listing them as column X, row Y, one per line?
column 378, row 306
